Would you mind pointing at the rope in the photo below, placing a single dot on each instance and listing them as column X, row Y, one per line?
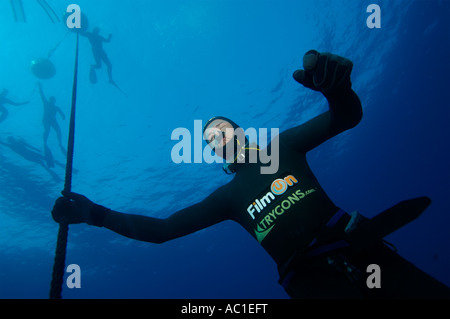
column 61, row 245
column 49, row 10
column 14, row 10
column 50, row 53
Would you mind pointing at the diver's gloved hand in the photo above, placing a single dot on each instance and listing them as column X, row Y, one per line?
column 74, row 208
column 324, row 72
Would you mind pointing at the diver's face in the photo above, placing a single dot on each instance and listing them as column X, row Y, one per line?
column 218, row 134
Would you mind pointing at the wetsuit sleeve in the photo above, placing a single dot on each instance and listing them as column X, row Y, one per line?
column 208, row 212
column 345, row 112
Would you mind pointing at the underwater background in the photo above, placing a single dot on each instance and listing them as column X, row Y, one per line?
column 180, row 61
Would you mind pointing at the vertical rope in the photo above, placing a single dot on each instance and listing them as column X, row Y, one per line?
column 71, row 142
column 60, row 262
column 61, row 245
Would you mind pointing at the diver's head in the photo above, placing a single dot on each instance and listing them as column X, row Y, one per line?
column 4, row 92
column 52, row 100
column 222, row 136
column 96, row 30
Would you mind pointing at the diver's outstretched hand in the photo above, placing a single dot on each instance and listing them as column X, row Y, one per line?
column 324, row 72
column 73, row 208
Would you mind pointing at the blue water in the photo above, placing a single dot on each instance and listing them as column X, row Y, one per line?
column 180, row 61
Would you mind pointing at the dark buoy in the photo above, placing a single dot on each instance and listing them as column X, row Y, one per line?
column 84, row 23
column 43, row 68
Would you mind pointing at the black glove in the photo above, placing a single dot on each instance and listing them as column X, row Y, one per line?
column 324, row 72
column 74, row 208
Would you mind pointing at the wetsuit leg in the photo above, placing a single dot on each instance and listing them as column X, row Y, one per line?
column 57, row 130
column 47, row 126
column 98, row 61
column 97, row 65
column 108, row 66
column 319, row 278
column 59, row 136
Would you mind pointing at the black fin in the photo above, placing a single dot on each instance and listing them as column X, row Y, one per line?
column 385, row 223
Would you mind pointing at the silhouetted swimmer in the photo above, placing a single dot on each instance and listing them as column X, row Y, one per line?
column 99, row 53
column 24, row 149
column 4, row 100
column 49, row 121
column 30, row 153
column 100, row 56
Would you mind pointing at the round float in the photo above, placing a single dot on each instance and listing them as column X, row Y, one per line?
column 43, row 68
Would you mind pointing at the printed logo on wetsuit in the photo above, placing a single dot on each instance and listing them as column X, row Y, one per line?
column 265, row 222
column 277, row 188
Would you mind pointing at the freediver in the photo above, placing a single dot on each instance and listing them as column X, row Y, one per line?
column 321, row 251
column 99, row 53
column 30, row 153
column 100, row 56
column 49, row 122
column 4, row 100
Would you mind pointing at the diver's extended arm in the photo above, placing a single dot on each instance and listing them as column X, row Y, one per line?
column 8, row 101
column 330, row 75
column 76, row 208
column 155, row 230
column 106, row 40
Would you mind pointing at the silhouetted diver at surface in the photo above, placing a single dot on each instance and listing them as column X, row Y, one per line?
column 96, row 41
column 99, row 53
column 32, row 154
column 49, row 121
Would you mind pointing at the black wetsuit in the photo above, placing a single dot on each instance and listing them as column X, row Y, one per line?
column 293, row 228
column 283, row 211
